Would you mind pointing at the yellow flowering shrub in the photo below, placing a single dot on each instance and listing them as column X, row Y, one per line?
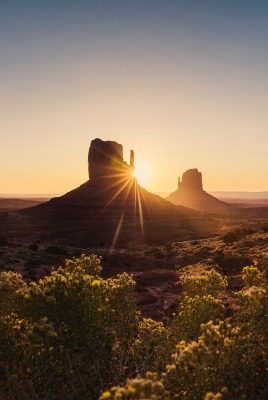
column 10, row 282
column 92, row 321
column 148, row 388
column 149, row 347
column 212, row 284
column 208, row 364
column 194, row 311
column 75, row 335
column 252, row 276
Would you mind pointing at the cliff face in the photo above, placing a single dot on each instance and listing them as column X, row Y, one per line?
column 105, row 159
column 190, row 193
column 191, row 178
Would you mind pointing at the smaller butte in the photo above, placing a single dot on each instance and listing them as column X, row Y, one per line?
column 190, row 193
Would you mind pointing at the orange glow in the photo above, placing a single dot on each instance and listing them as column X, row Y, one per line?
column 143, row 173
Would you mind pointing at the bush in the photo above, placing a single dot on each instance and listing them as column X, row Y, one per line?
column 231, row 264
column 212, row 284
column 91, row 321
column 263, row 265
column 208, row 364
column 148, row 388
column 75, row 335
column 236, row 235
column 252, row 276
column 149, row 346
column 10, row 283
column 192, row 312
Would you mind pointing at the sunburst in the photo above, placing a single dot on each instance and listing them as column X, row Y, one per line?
column 142, row 172
column 123, row 180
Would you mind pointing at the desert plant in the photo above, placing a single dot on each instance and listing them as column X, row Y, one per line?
column 232, row 263
column 212, row 284
column 10, row 283
column 236, row 235
column 194, row 311
column 94, row 321
column 74, row 335
column 150, row 346
column 211, row 364
column 148, row 388
column 252, row 276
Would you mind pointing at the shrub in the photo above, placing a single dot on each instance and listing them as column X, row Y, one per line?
column 212, row 284
column 209, row 364
column 252, row 276
column 236, row 235
column 94, row 321
column 252, row 302
column 10, row 283
column 149, row 347
column 263, row 265
column 231, row 264
column 194, row 311
column 74, row 335
column 148, row 388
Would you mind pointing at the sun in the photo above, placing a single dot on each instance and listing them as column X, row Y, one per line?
column 143, row 173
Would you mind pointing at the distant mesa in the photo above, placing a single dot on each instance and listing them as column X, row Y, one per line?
column 191, row 179
column 190, row 193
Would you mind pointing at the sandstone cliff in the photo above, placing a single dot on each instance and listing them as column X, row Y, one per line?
column 105, row 159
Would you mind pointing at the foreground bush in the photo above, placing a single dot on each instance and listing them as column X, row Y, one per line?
column 193, row 312
column 212, row 284
column 71, row 333
column 74, row 335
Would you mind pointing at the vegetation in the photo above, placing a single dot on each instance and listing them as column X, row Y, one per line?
column 236, row 235
column 231, row 264
column 74, row 335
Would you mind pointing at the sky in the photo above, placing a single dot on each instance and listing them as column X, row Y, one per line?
column 184, row 83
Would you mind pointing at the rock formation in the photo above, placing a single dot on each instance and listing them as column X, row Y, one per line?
column 191, row 178
column 111, row 207
column 190, row 193
column 105, row 159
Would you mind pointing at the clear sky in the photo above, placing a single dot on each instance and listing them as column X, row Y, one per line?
column 184, row 83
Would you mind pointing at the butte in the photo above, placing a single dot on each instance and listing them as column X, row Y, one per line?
column 111, row 208
column 190, row 193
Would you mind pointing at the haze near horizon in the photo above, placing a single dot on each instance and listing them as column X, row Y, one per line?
column 184, row 84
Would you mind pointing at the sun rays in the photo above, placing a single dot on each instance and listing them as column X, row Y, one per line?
column 116, row 189
column 122, row 189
